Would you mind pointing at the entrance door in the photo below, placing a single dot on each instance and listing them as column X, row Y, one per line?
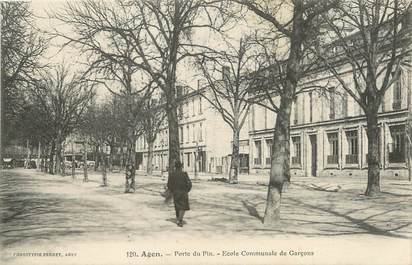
column 202, row 161
column 314, row 162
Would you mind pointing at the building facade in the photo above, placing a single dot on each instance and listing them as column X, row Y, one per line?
column 328, row 137
column 205, row 139
column 328, row 129
column 328, row 134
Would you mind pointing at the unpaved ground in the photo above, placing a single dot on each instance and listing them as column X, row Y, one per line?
column 48, row 212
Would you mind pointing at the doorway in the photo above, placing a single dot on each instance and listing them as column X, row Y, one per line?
column 139, row 160
column 202, row 161
column 314, row 155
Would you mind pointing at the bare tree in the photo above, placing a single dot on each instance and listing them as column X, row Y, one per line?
column 98, row 131
column 32, row 127
column 376, row 53
column 230, row 77
column 297, row 23
column 21, row 49
column 157, row 33
column 152, row 122
column 99, row 33
column 162, row 35
column 63, row 98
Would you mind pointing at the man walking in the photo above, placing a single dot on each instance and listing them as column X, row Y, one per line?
column 179, row 184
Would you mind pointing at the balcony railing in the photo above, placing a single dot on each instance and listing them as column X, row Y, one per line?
column 396, row 105
column 267, row 160
column 257, row 161
column 351, row 159
column 295, row 160
column 333, row 159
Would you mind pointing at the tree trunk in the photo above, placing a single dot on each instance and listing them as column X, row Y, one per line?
column 45, row 158
column 104, row 168
column 131, row 154
column 42, row 165
column 85, row 176
column 172, row 118
column 63, row 162
column 409, row 161
column 110, row 159
column 131, row 140
column 2, row 116
column 96, row 158
column 149, row 168
column 59, row 163
column 121, row 158
column 234, row 165
column 174, row 147
column 30, row 155
column 373, row 186
column 38, row 157
column 130, row 167
column 27, row 163
column 51, row 159
column 409, row 146
column 409, row 138
column 280, row 164
column 46, row 163
column 58, row 156
column 73, row 166
column 59, row 153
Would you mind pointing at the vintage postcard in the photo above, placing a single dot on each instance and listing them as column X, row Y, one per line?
column 206, row 132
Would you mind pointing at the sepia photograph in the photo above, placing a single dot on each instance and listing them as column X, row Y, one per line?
column 206, row 132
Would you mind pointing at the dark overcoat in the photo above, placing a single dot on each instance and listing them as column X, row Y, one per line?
column 179, row 184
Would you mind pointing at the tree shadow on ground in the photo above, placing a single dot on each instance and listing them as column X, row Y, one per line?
column 358, row 223
column 44, row 216
column 316, row 215
column 251, row 208
column 32, row 216
column 396, row 194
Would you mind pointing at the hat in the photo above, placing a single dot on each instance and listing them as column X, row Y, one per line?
column 178, row 164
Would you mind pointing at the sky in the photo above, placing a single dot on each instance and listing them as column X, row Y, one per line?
column 41, row 10
column 72, row 57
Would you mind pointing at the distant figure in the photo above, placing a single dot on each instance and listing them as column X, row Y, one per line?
column 179, row 184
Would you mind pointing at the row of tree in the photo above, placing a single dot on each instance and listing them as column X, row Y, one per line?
column 105, row 127
column 371, row 36
column 136, row 49
column 41, row 105
column 44, row 104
